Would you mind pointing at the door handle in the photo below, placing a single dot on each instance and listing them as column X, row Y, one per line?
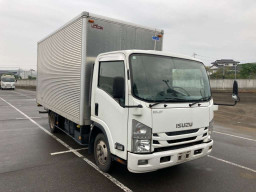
column 96, row 109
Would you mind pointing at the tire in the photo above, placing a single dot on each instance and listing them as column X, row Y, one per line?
column 52, row 119
column 102, row 153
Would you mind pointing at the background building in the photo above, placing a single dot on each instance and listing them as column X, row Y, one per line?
column 19, row 73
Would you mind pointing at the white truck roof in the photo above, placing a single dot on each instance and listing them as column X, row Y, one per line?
column 163, row 53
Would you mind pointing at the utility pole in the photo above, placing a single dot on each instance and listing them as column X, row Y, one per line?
column 235, row 69
column 19, row 73
column 223, row 73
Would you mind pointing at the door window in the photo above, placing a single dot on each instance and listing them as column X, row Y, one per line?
column 109, row 72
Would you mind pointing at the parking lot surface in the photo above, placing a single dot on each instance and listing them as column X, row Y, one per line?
column 32, row 159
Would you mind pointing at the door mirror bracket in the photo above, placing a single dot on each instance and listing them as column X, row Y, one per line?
column 235, row 96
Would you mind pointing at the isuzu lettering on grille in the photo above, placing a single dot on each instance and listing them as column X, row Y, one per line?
column 181, row 125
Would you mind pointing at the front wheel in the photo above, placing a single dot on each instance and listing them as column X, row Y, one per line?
column 102, row 154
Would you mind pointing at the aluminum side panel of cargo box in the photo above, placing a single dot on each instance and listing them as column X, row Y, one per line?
column 59, row 71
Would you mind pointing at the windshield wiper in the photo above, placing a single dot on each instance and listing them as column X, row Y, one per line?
column 198, row 101
column 166, row 100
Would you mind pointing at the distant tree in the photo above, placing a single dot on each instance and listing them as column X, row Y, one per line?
column 17, row 77
column 228, row 74
column 31, row 78
column 248, row 70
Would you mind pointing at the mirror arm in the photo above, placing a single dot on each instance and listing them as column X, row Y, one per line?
column 226, row 104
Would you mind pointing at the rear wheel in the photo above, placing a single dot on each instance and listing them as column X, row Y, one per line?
column 102, row 153
column 52, row 122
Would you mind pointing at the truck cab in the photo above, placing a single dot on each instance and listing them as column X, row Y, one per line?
column 8, row 82
column 155, row 108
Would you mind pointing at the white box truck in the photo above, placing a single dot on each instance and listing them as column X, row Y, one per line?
column 8, row 82
column 108, row 85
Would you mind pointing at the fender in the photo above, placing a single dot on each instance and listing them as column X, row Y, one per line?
column 95, row 124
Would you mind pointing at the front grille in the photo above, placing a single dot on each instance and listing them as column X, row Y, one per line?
column 160, row 149
column 181, row 140
column 181, row 132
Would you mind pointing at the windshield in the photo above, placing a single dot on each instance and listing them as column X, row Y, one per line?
column 6, row 79
column 161, row 78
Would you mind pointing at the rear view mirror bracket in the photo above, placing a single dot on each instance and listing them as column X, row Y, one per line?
column 235, row 96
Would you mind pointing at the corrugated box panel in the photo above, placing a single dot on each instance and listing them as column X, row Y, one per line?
column 59, row 71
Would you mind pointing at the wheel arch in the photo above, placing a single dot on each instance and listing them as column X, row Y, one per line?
column 95, row 130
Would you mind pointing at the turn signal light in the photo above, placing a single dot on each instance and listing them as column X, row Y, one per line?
column 91, row 21
column 159, row 35
column 120, row 161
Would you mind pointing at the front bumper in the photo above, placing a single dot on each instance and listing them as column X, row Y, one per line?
column 8, row 87
column 176, row 157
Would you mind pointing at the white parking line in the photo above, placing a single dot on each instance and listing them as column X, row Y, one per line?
column 115, row 181
column 26, row 90
column 235, row 136
column 21, row 118
column 68, row 151
column 231, row 163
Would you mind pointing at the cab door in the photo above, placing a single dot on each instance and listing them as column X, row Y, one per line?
column 108, row 102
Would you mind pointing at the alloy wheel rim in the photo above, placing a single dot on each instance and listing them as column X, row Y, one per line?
column 102, row 152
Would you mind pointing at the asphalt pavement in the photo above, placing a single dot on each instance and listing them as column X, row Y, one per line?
column 32, row 159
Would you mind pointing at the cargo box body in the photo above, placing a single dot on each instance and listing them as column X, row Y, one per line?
column 66, row 57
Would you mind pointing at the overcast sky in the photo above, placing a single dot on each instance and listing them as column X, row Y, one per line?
column 213, row 29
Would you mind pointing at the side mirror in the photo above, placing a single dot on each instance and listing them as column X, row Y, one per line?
column 235, row 91
column 235, row 96
column 118, row 88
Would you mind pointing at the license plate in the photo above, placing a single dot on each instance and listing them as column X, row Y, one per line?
column 183, row 156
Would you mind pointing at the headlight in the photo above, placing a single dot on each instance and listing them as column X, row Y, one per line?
column 210, row 128
column 141, row 137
